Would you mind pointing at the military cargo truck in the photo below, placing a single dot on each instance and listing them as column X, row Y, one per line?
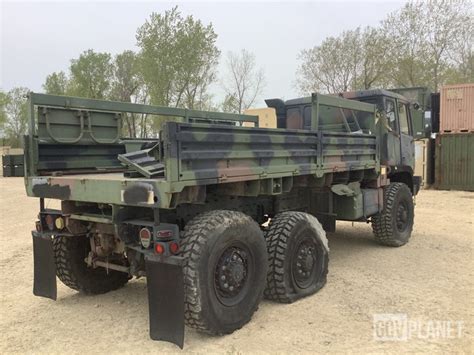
column 215, row 215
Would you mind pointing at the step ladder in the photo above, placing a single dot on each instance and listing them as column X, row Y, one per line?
column 144, row 162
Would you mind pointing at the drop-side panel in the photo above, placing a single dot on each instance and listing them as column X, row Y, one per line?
column 223, row 153
column 238, row 153
column 345, row 152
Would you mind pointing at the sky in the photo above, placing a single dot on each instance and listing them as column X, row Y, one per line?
column 38, row 38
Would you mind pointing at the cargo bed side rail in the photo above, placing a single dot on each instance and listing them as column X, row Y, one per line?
column 89, row 131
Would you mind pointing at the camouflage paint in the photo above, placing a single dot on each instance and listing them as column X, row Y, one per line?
column 193, row 154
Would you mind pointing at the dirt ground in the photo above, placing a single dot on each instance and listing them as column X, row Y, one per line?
column 429, row 280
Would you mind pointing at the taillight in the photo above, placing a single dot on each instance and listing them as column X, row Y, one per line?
column 145, row 237
column 49, row 221
column 174, row 247
column 159, row 248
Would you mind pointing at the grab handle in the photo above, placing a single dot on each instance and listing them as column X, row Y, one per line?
column 105, row 141
column 59, row 140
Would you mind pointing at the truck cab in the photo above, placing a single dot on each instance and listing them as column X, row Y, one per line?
column 394, row 122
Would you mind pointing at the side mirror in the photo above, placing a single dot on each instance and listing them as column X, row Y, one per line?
column 416, row 106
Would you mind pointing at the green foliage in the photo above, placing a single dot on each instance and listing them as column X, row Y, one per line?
column 330, row 67
column 4, row 99
column 178, row 57
column 127, row 86
column 56, row 84
column 15, row 115
column 422, row 44
column 126, row 77
column 90, row 75
column 230, row 104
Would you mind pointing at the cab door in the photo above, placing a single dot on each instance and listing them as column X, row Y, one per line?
column 406, row 135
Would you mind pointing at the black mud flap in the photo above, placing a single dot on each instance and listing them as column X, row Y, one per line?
column 165, row 284
column 44, row 283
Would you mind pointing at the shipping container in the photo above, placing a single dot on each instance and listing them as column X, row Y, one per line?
column 457, row 109
column 7, row 171
column 13, row 165
column 424, row 161
column 454, row 166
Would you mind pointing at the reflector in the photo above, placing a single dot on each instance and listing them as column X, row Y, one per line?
column 145, row 237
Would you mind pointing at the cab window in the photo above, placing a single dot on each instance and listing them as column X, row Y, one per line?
column 307, row 117
column 390, row 109
column 403, row 117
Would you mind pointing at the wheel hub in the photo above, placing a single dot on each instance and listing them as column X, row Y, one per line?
column 304, row 267
column 231, row 273
column 402, row 217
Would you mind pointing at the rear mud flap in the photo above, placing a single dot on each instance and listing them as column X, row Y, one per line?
column 165, row 284
column 44, row 283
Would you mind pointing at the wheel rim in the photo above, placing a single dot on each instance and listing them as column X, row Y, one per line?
column 231, row 275
column 402, row 216
column 305, row 263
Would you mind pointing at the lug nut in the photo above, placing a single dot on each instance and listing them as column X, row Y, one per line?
column 223, row 277
column 226, row 285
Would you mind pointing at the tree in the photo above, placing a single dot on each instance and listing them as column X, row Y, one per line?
column 244, row 81
column 4, row 99
column 56, row 84
column 178, row 57
column 352, row 61
column 426, row 36
column 90, row 75
column 331, row 66
column 16, row 115
column 375, row 48
column 425, row 43
column 128, row 86
column 125, row 77
column 462, row 53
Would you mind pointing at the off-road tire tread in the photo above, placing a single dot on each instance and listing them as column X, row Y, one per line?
column 64, row 253
column 192, row 242
column 382, row 225
column 277, row 236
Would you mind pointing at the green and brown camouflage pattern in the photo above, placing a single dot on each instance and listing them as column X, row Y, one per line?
column 73, row 145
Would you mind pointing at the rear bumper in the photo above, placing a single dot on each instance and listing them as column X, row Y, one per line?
column 101, row 188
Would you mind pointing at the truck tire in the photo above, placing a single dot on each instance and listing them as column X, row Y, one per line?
column 393, row 226
column 298, row 256
column 224, row 270
column 72, row 270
